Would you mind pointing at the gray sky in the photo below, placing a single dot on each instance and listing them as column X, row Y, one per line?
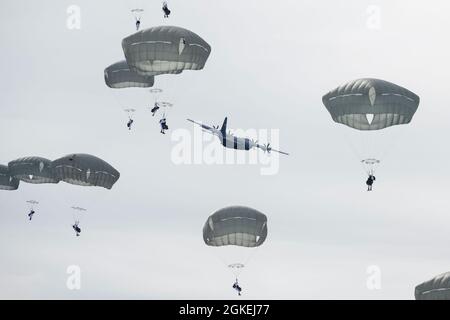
column 271, row 62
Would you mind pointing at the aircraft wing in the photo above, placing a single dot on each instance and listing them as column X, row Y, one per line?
column 270, row 149
column 279, row 151
column 205, row 127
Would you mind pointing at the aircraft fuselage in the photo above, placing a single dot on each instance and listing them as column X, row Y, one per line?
column 237, row 143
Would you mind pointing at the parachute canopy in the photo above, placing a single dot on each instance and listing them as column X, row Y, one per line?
column 32, row 170
column 237, row 225
column 137, row 13
column 85, row 170
column 371, row 104
column 165, row 49
column 7, row 181
column 79, row 208
column 119, row 75
column 78, row 213
column 155, row 90
column 437, row 288
column 32, row 204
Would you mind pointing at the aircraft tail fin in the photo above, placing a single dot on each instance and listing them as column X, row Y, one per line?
column 223, row 130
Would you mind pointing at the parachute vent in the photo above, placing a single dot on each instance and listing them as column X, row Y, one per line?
column 369, row 117
column 372, row 96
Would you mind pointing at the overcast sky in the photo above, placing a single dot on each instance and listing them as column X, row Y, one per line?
column 270, row 65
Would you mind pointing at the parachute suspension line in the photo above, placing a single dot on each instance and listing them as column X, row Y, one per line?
column 345, row 136
column 32, row 203
column 237, row 271
column 218, row 256
column 370, row 170
column 248, row 259
column 137, row 13
column 236, row 267
column 116, row 98
column 165, row 105
column 223, row 261
column 155, row 92
column 365, row 139
column 389, row 137
column 367, row 144
column 372, row 146
column 392, row 141
column 169, row 84
column 370, row 165
column 368, row 151
column 77, row 214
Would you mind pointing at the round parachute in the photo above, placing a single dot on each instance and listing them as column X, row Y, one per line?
column 155, row 90
column 165, row 50
column 437, row 288
column 370, row 165
column 78, row 214
column 119, row 75
column 370, row 162
column 137, row 13
column 32, row 170
column 371, row 104
column 32, row 203
column 7, row 181
column 79, row 208
column 368, row 106
column 165, row 104
column 235, row 233
column 237, row 226
column 85, row 170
